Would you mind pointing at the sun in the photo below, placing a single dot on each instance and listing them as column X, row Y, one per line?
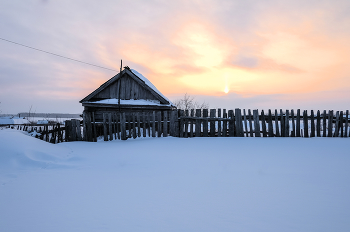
column 226, row 90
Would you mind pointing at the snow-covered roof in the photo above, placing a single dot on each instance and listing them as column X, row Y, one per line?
column 147, row 82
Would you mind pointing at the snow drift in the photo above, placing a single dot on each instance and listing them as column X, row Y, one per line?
column 173, row 184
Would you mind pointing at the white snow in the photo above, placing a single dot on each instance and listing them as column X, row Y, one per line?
column 131, row 102
column 173, row 184
column 43, row 121
column 13, row 120
column 150, row 85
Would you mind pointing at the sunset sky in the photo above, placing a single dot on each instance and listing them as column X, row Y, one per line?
column 267, row 54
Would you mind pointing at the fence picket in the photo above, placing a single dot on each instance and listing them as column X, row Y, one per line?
column 256, row 123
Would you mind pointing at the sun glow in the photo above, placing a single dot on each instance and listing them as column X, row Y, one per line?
column 226, row 90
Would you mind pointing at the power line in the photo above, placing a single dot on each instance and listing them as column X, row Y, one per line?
column 57, row 55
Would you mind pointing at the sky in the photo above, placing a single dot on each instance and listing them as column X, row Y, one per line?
column 264, row 54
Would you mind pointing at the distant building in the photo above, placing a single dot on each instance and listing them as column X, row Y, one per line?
column 128, row 91
column 13, row 120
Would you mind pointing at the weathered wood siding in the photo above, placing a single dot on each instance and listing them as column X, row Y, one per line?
column 130, row 89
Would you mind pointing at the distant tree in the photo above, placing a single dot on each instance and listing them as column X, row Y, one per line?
column 188, row 102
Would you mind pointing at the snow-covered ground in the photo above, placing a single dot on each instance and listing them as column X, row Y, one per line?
column 174, row 184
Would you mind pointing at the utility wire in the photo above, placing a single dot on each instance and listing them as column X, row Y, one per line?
column 57, row 55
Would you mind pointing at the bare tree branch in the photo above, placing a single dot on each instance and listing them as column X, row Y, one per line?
column 188, row 102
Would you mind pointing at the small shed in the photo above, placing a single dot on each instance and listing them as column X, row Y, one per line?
column 128, row 91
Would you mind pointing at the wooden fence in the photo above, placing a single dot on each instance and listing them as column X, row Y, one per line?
column 196, row 123
column 218, row 123
column 53, row 133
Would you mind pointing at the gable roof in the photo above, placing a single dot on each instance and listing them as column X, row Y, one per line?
column 139, row 78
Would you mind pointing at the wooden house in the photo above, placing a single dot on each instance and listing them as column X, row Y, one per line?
column 128, row 91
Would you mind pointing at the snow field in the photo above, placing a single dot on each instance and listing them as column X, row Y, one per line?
column 173, row 184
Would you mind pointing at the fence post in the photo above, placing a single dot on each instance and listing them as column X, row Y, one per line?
column 205, row 122
column 282, row 123
column 293, row 123
column 346, row 123
column 212, row 122
column 231, row 123
column 306, row 125
column 312, row 117
column 144, row 124
column 318, row 124
column 159, row 116
column 191, row 123
column 239, row 124
column 341, row 124
column 165, row 124
column 256, row 123
column 286, row 131
column 134, row 132
column 330, row 123
column 336, row 131
column 224, row 130
column 138, row 124
column 154, row 124
column 251, row 132
column 198, row 123
column 123, row 126
column 263, row 123
column 219, row 122
column 324, row 122
column 68, row 129
column 276, row 124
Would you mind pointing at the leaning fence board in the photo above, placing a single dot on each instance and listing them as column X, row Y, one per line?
column 336, row 129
